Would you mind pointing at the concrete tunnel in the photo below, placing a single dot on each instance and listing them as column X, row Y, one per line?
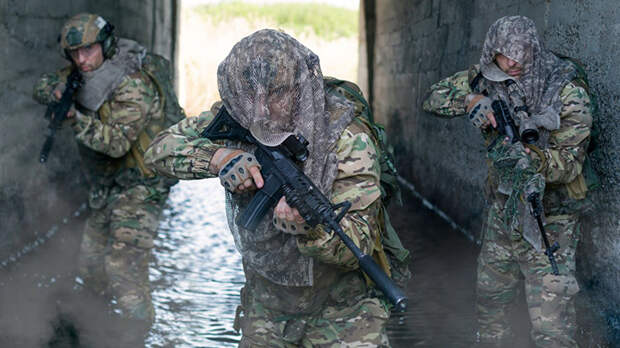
column 405, row 46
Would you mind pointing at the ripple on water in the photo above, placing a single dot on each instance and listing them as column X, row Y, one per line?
column 196, row 275
column 196, row 272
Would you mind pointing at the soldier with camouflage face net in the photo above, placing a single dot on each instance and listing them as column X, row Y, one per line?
column 546, row 95
column 117, row 111
column 303, row 285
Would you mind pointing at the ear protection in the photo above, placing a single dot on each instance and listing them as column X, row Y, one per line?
column 107, row 44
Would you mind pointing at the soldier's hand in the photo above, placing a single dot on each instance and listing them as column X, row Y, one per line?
column 58, row 90
column 287, row 219
column 239, row 171
column 287, row 213
column 479, row 111
column 71, row 112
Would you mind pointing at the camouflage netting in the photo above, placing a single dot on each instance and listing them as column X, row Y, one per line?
column 272, row 85
column 544, row 74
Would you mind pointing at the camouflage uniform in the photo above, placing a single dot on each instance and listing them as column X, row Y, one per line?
column 125, row 198
column 337, row 309
column 506, row 256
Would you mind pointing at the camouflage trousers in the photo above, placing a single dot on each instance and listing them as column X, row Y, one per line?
column 360, row 325
column 116, row 247
column 505, row 259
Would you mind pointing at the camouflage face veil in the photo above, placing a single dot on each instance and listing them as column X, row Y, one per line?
column 273, row 86
column 544, row 74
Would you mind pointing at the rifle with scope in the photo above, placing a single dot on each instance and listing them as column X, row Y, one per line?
column 507, row 128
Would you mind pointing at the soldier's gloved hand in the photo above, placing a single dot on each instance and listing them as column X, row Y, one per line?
column 287, row 219
column 479, row 111
column 238, row 170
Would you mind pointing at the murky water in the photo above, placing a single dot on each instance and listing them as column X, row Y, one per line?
column 196, row 273
column 196, row 276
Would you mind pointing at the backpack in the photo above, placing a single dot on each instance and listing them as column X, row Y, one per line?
column 159, row 70
column 389, row 182
column 591, row 177
column 395, row 258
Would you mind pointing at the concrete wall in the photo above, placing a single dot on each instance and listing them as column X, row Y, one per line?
column 414, row 43
column 34, row 197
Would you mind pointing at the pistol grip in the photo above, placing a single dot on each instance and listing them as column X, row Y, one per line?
column 263, row 200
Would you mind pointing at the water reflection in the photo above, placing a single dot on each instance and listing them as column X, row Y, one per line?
column 196, row 276
column 196, row 273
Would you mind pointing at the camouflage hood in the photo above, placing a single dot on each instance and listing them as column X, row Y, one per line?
column 273, row 86
column 99, row 84
column 544, row 74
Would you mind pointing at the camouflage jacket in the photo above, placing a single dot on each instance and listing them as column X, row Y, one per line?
column 561, row 161
column 182, row 153
column 106, row 137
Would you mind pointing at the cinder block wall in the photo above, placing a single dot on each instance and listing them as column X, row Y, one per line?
column 33, row 197
column 406, row 45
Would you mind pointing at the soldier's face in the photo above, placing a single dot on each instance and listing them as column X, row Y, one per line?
column 280, row 104
column 509, row 66
column 88, row 58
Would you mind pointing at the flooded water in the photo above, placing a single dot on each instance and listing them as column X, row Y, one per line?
column 196, row 275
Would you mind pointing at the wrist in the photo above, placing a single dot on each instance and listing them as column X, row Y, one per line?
column 220, row 157
column 471, row 100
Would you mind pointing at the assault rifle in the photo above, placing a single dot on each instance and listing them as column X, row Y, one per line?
column 57, row 112
column 506, row 128
column 505, row 123
column 549, row 249
column 283, row 177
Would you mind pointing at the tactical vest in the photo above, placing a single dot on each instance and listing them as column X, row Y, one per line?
column 159, row 72
column 588, row 179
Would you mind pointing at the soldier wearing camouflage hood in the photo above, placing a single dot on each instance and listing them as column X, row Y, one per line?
column 118, row 109
column 303, row 285
column 547, row 97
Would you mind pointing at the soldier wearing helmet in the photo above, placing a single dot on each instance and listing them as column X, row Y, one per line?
column 116, row 109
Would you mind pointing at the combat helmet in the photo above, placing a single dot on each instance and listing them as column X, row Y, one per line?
column 86, row 29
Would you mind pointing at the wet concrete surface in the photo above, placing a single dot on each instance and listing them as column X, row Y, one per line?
column 196, row 275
